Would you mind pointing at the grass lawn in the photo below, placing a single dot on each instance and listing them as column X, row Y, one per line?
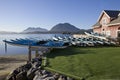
column 89, row 63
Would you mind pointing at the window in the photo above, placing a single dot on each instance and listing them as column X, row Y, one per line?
column 108, row 33
column 103, row 32
column 119, row 28
column 104, row 21
column 119, row 32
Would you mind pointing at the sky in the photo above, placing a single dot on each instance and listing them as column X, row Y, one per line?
column 17, row 15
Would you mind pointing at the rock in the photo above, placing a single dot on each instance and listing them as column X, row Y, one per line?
column 12, row 75
column 38, row 75
column 28, row 65
column 56, row 76
column 62, row 77
column 36, row 62
column 44, row 72
column 21, row 68
column 39, row 72
column 50, row 78
column 68, row 78
column 36, row 65
column 31, row 73
column 22, row 76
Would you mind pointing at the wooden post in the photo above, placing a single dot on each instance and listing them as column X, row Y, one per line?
column 36, row 53
column 45, row 61
column 5, row 47
column 29, row 53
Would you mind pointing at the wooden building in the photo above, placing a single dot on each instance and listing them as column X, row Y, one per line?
column 108, row 23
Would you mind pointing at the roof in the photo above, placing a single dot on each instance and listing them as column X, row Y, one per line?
column 97, row 24
column 112, row 13
column 115, row 21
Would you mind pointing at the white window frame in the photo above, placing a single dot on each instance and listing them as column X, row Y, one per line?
column 104, row 21
column 108, row 33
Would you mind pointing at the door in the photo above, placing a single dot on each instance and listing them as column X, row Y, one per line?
column 118, row 33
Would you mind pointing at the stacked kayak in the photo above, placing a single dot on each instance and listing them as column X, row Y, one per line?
column 29, row 42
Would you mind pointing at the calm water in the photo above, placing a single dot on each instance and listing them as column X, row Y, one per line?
column 21, row 50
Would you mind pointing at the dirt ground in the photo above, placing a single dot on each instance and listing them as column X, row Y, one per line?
column 9, row 63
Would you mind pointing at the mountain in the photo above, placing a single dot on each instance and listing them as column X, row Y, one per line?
column 7, row 32
column 35, row 30
column 65, row 28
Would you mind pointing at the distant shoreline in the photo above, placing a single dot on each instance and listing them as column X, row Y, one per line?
column 46, row 33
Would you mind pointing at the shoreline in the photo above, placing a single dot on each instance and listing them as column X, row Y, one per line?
column 10, row 62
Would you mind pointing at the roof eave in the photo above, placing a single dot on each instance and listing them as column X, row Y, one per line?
column 113, row 24
column 96, row 27
column 102, row 14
